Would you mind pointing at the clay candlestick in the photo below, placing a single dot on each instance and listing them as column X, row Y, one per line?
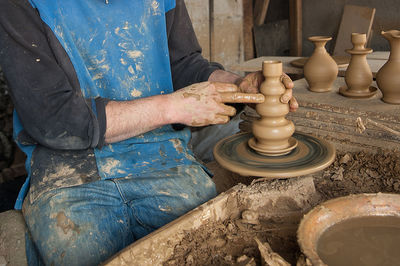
column 358, row 76
column 272, row 132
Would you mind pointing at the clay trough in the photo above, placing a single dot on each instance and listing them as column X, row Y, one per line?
column 279, row 202
column 369, row 231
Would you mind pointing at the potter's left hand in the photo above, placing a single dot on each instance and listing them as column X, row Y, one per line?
column 251, row 82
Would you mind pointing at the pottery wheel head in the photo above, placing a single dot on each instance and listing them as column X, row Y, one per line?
column 310, row 155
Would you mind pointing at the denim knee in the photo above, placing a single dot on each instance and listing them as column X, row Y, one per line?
column 70, row 230
column 161, row 197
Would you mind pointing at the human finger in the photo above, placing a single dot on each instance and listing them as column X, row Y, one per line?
column 225, row 87
column 220, row 119
column 287, row 81
column 228, row 110
column 251, row 82
column 293, row 105
column 240, row 97
column 285, row 98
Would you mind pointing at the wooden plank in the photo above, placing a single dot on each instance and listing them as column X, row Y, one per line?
column 226, row 32
column 260, row 11
column 248, row 23
column 354, row 19
column 200, row 15
column 379, row 55
column 296, row 27
column 272, row 39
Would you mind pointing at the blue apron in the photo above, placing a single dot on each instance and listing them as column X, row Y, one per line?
column 120, row 52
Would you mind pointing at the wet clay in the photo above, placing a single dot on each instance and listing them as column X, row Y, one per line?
column 272, row 150
column 362, row 241
column 358, row 75
column 310, row 155
column 320, row 70
column 388, row 77
column 272, row 132
column 348, row 230
column 224, row 242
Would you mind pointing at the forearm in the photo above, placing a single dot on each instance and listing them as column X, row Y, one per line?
column 131, row 118
column 200, row 104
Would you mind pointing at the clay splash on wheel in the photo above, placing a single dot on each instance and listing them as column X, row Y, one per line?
column 273, row 149
column 311, row 155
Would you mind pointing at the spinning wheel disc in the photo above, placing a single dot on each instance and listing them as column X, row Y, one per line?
column 311, row 155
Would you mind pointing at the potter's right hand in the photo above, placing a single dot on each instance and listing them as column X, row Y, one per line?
column 202, row 104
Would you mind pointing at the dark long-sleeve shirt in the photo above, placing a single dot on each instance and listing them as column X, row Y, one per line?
column 64, row 60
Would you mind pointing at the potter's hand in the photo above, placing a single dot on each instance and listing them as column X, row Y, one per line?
column 251, row 82
column 202, row 104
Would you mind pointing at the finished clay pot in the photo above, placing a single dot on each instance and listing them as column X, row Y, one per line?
column 388, row 77
column 358, row 76
column 320, row 70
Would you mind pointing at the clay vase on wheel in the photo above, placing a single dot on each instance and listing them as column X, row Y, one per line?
column 272, row 132
column 320, row 70
column 388, row 77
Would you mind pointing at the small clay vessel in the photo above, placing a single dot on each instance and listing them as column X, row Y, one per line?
column 388, row 77
column 320, row 70
column 358, row 76
column 272, row 132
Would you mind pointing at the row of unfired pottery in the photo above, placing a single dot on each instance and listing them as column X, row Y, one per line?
column 321, row 70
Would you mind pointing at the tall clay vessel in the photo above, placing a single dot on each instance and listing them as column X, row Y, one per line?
column 272, row 132
column 358, row 76
column 388, row 77
column 320, row 70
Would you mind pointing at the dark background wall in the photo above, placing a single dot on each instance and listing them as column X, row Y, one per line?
column 321, row 17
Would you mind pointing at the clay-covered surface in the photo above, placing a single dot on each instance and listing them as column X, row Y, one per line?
column 225, row 242
column 228, row 242
column 12, row 238
column 361, row 172
column 311, row 155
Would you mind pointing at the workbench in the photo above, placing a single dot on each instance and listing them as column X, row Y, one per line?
column 350, row 124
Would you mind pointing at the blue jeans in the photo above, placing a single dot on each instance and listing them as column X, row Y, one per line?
column 86, row 224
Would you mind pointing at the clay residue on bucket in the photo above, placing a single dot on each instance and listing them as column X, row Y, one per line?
column 370, row 240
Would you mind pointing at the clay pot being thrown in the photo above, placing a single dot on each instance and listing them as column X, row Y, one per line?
column 272, row 132
column 358, row 76
column 388, row 77
column 320, row 70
